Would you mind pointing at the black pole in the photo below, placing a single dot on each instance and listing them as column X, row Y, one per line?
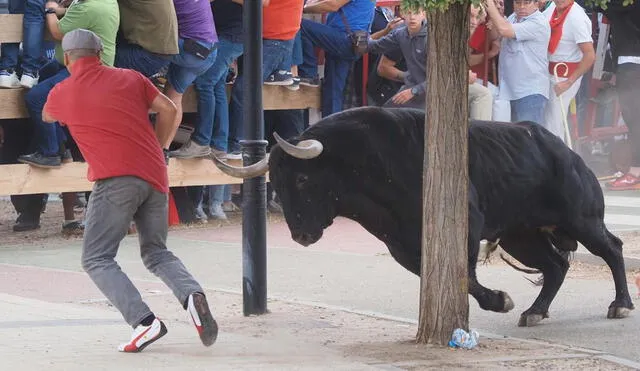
column 254, row 225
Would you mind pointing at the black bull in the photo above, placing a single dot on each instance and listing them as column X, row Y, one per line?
column 366, row 164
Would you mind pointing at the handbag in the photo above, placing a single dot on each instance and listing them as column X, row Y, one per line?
column 359, row 39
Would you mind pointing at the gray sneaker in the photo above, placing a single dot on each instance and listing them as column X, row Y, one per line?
column 218, row 153
column 216, row 212
column 191, row 149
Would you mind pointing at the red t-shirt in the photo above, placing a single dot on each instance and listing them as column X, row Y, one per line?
column 476, row 42
column 281, row 19
column 106, row 110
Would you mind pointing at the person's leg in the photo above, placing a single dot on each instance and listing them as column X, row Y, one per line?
column 46, row 134
column 33, row 38
column 152, row 221
column 529, row 108
column 336, row 73
column 112, row 206
column 553, row 113
column 331, row 40
column 9, row 53
column 136, row 58
column 183, row 71
column 480, row 102
column 628, row 88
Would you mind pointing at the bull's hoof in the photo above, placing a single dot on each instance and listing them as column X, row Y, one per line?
column 618, row 312
column 507, row 302
column 531, row 319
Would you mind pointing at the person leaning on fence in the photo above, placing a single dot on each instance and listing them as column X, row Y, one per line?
column 571, row 55
column 106, row 111
column 523, row 62
column 411, row 41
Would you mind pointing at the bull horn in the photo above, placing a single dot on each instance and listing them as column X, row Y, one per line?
column 244, row 172
column 305, row 150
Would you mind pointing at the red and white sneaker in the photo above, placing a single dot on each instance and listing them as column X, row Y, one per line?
column 143, row 336
column 624, row 183
column 202, row 318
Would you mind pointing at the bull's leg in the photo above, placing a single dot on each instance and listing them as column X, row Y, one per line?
column 532, row 248
column 494, row 300
column 593, row 234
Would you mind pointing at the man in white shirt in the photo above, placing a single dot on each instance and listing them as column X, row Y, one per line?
column 523, row 61
column 571, row 54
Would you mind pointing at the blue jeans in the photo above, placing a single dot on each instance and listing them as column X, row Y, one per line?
column 275, row 54
column 296, row 57
column 212, row 126
column 33, row 37
column 338, row 59
column 186, row 67
column 529, row 108
column 47, row 136
column 134, row 57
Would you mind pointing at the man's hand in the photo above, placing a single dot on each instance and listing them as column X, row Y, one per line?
column 393, row 24
column 473, row 77
column 402, row 97
column 562, row 86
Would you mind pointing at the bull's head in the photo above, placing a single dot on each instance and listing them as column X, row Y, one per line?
column 305, row 185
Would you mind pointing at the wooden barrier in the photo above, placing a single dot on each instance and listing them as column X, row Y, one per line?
column 25, row 179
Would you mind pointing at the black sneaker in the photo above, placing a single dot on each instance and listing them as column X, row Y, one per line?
column 38, row 160
column 25, row 223
column 75, row 228
column 281, row 78
column 66, row 157
column 202, row 318
column 308, row 81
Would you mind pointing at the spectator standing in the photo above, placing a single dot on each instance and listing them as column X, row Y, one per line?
column 571, row 50
column 524, row 63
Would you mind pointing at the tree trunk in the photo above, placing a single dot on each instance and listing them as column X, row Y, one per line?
column 444, row 303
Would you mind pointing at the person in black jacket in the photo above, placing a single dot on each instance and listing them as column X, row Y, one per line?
column 625, row 43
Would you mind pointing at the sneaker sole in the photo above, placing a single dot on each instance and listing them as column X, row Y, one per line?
column 163, row 332
column 199, row 155
column 40, row 165
column 279, row 83
column 209, row 326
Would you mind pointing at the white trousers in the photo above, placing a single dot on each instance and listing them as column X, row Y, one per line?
column 553, row 114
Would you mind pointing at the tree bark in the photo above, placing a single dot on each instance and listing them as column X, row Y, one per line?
column 444, row 303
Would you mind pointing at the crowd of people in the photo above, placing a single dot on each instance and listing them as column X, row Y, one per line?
column 528, row 59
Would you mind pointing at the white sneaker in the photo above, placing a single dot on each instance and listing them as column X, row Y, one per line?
column 28, row 80
column 9, row 79
column 144, row 336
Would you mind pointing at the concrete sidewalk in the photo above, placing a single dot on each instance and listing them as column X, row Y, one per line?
column 342, row 304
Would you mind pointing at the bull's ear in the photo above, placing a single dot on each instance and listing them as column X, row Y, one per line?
column 304, row 150
column 244, row 172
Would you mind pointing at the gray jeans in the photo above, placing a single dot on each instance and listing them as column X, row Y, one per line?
column 113, row 204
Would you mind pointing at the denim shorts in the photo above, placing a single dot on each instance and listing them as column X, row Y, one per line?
column 186, row 67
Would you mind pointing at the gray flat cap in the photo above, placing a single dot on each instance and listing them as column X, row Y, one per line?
column 81, row 39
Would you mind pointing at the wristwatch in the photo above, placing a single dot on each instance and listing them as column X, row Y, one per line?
column 414, row 90
column 50, row 11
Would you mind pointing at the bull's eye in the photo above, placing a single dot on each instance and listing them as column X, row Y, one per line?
column 301, row 180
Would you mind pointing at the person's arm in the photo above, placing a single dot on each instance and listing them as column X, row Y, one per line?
column 500, row 23
column 588, row 57
column 165, row 118
column 386, row 44
column 55, row 105
column 387, row 69
column 324, row 6
column 389, row 27
column 52, row 21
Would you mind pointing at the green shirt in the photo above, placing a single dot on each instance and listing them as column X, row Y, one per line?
column 99, row 16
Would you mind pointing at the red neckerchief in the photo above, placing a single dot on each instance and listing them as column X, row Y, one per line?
column 556, row 27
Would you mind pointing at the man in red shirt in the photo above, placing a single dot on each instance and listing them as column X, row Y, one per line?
column 106, row 111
